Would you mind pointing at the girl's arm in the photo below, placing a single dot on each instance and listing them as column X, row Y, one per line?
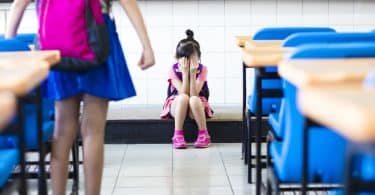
column 16, row 12
column 196, row 85
column 183, row 86
column 132, row 10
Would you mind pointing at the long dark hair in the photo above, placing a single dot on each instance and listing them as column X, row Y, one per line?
column 186, row 47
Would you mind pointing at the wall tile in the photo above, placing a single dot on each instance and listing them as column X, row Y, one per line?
column 2, row 21
column 161, row 68
column 364, row 12
column 233, row 90
column 129, row 39
column 289, row 12
column 211, row 39
column 215, row 63
column 161, row 39
column 216, row 90
column 142, row 93
column 211, row 13
column 364, row 28
column 263, row 12
column 315, row 12
column 185, row 12
column 159, row 13
column 341, row 12
column 157, row 91
column 132, row 61
column 237, row 13
column 233, row 65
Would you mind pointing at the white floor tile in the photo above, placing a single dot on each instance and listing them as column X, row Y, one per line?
column 199, row 170
column 203, row 191
column 155, row 169
column 164, row 182
column 143, row 191
column 135, row 170
column 200, row 181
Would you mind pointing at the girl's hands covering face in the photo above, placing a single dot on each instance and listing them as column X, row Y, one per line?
column 194, row 62
column 183, row 65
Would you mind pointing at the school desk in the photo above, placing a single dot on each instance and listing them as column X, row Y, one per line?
column 247, row 42
column 7, row 107
column 309, row 72
column 347, row 108
column 19, row 58
column 21, row 79
column 258, row 54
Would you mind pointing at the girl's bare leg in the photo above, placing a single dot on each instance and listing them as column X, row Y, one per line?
column 92, row 131
column 197, row 110
column 66, row 125
column 179, row 109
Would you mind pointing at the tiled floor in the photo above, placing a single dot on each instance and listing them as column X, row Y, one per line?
column 157, row 169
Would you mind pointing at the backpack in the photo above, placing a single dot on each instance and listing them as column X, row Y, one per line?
column 77, row 28
column 205, row 92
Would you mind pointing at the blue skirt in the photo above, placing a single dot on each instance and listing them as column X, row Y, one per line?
column 111, row 81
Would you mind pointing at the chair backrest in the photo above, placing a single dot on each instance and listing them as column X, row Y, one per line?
column 280, row 33
column 299, row 39
column 339, row 50
column 12, row 45
column 28, row 38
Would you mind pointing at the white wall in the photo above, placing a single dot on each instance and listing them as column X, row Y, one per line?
column 215, row 23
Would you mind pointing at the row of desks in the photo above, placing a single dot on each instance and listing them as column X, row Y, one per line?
column 20, row 72
column 311, row 76
column 330, row 91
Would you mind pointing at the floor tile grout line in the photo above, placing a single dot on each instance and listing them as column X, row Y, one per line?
column 226, row 171
column 119, row 172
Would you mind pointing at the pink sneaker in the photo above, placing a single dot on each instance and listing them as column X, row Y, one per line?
column 179, row 142
column 203, row 140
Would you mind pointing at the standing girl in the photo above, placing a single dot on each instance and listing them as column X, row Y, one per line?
column 94, row 88
column 188, row 93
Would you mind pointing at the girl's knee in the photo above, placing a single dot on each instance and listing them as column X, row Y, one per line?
column 195, row 101
column 183, row 98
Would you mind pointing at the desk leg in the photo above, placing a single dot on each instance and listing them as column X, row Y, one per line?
column 22, row 146
column 42, row 181
column 258, row 128
column 348, row 169
column 245, row 141
column 305, row 158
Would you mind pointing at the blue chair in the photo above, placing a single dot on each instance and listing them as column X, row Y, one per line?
column 28, row 38
column 9, row 159
column 329, row 37
column 269, row 82
column 31, row 109
column 301, row 39
column 322, row 142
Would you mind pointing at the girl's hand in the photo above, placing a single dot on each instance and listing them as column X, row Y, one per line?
column 147, row 59
column 183, row 65
column 193, row 65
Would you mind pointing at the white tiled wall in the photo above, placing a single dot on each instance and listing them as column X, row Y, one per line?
column 215, row 23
